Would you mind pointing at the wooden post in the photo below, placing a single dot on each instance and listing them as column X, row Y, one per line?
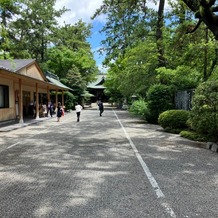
column 56, row 98
column 20, row 101
column 37, row 101
column 62, row 98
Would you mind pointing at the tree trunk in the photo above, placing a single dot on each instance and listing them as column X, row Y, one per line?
column 159, row 34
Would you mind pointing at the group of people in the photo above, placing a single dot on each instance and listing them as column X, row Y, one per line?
column 78, row 108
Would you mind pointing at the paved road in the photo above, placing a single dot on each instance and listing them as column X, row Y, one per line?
column 114, row 166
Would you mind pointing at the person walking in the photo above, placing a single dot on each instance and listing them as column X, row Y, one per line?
column 50, row 108
column 59, row 112
column 100, row 107
column 78, row 108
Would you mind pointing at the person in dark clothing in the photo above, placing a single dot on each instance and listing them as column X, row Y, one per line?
column 59, row 112
column 101, row 107
column 50, row 108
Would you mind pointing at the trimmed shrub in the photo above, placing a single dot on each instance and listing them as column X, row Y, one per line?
column 173, row 119
column 139, row 107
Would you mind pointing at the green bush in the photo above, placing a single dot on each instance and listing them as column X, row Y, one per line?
column 204, row 113
column 193, row 136
column 160, row 98
column 173, row 119
column 69, row 99
column 139, row 107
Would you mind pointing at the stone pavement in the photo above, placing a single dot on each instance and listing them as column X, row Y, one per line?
column 14, row 124
column 114, row 166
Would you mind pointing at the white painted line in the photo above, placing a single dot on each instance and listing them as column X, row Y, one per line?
column 13, row 145
column 150, row 177
column 143, row 164
column 169, row 210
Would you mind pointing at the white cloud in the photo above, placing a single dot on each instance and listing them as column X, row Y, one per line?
column 85, row 9
column 79, row 9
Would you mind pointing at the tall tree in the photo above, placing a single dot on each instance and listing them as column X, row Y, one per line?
column 73, row 36
column 205, row 13
column 127, row 21
column 159, row 33
column 8, row 8
column 72, row 50
column 34, row 29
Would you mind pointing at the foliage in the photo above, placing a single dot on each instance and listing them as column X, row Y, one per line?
column 160, row 98
column 29, row 29
column 139, row 107
column 34, row 28
column 112, row 84
column 204, row 113
column 173, row 119
column 8, row 9
column 205, row 12
column 127, row 21
column 183, row 77
column 62, row 60
column 188, row 58
column 69, row 99
column 73, row 36
column 133, row 73
column 192, row 135
column 138, row 69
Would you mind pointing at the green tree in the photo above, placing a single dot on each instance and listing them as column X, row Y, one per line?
column 195, row 50
column 205, row 12
column 159, row 34
column 138, row 69
column 8, row 9
column 182, row 78
column 127, row 21
column 35, row 27
column 62, row 59
column 71, row 50
column 73, row 36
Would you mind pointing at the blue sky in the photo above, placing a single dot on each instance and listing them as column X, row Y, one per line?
column 84, row 9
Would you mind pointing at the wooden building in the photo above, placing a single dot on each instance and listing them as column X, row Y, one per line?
column 22, row 85
column 96, row 88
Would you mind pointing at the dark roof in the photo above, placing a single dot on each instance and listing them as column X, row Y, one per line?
column 98, row 83
column 4, row 68
column 52, row 78
column 16, row 64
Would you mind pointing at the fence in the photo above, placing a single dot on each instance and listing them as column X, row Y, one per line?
column 183, row 99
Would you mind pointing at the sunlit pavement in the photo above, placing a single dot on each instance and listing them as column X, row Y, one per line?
column 111, row 166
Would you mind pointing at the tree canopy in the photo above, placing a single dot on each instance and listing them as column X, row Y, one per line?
column 147, row 46
column 29, row 29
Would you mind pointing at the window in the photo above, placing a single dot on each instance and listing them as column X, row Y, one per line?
column 4, row 96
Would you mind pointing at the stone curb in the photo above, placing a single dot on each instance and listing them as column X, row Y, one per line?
column 212, row 146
